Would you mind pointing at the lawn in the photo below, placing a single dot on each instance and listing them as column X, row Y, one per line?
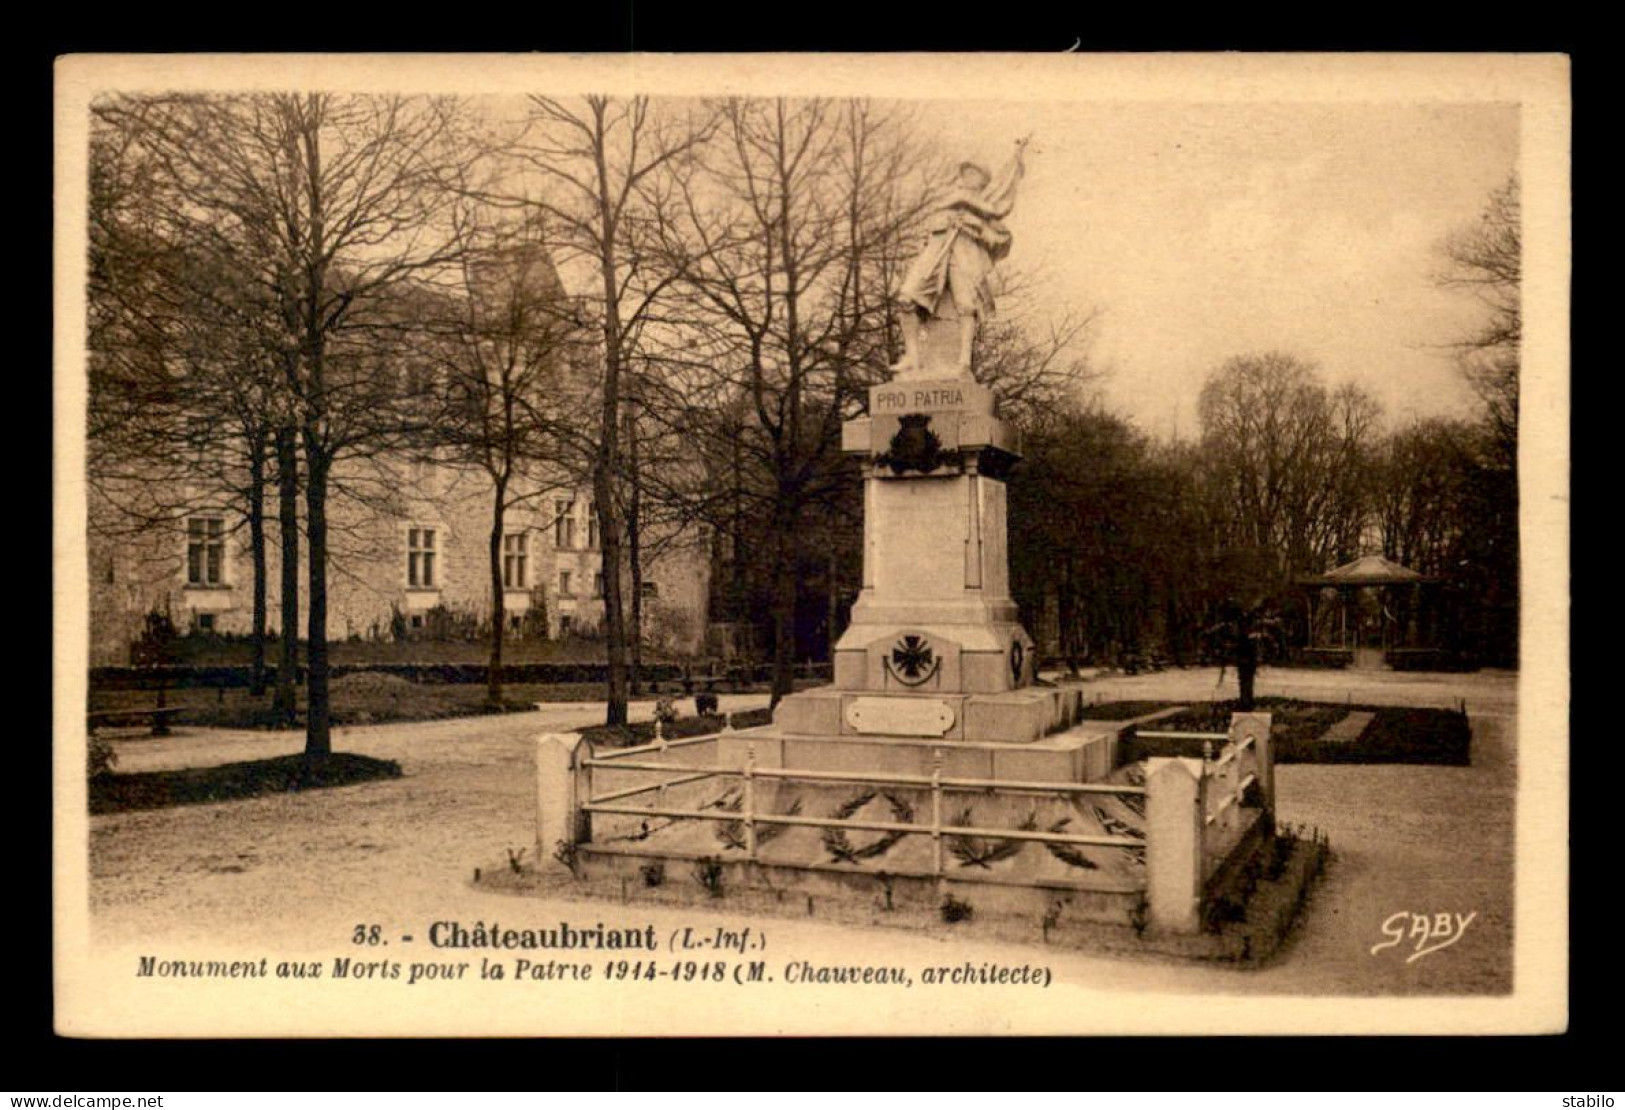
column 218, row 651
column 1124, row 710
column 359, row 699
column 120, row 793
column 372, row 697
column 1394, row 735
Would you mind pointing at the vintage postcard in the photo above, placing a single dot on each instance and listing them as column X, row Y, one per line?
column 827, row 544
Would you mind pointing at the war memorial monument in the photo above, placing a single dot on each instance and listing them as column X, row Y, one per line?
column 936, row 770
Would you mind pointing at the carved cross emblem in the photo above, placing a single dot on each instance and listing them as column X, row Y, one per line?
column 912, row 661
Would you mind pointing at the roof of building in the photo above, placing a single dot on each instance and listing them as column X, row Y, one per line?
column 1367, row 570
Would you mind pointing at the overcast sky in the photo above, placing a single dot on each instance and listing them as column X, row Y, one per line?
column 1210, row 231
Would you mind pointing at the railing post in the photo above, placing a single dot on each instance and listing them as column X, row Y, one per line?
column 1257, row 726
column 562, row 785
column 750, row 801
column 1173, row 855
column 936, row 817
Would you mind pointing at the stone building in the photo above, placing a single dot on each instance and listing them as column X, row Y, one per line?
column 414, row 566
column 409, row 529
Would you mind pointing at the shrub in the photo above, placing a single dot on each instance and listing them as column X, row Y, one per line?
column 956, row 909
column 708, row 873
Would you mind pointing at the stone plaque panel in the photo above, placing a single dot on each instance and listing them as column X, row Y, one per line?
column 900, row 716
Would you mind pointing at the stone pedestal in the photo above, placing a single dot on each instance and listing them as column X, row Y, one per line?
column 934, row 649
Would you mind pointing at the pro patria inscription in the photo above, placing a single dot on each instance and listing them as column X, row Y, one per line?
column 950, row 395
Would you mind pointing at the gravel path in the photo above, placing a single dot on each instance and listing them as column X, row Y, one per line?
column 302, row 870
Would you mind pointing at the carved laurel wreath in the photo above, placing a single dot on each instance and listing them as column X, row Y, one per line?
column 976, row 851
column 732, row 833
column 1067, row 853
column 1135, row 775
column 840, row 847
column 914, row 447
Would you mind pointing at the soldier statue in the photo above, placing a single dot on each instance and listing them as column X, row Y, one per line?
column 966, row 236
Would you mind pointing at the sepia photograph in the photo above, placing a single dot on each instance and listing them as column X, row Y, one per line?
column 670, row 545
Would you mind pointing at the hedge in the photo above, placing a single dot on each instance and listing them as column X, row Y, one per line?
column 547, row 674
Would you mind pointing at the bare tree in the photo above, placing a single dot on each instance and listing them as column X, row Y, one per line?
column 788, row 220
column 1485, row 259
column 602, row 165
column 1284, row 462
column 1421, row 494
column 1090, row 526
column 512, row 407
column 181, row 382
column 1035, row 365
column 329, row 206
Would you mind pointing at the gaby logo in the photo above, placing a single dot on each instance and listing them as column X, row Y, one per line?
column 1428, row 933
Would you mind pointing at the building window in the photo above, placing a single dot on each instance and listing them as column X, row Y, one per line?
column 564, row 584
column 592, row 524
column 564, row 527
column 205, row 551
column 420, row 558
column 564, row 625
column 598, row 584
column 205, row 622
column 515, row 560
column 651, row 589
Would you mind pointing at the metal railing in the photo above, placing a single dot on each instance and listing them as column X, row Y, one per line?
column 1229, row 769
column 750, row 817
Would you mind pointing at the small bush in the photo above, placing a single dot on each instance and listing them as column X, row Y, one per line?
column 627, row 736
column 955, row 910
column 653, row 873
column 708, row 873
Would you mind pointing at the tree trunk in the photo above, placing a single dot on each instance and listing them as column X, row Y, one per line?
column 493, row 678
column 609, row 533
column 608, row 459
column 634, row 553
column 784, row 612
column 318, row 720
column 285, row 703
column 1246, row 669
column 318, row 717
column 256, row 545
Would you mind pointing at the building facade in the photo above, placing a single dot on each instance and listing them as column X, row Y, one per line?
column 414, row 564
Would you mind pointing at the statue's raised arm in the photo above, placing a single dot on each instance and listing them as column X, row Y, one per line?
column 950, row 276
column 1001, row 193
